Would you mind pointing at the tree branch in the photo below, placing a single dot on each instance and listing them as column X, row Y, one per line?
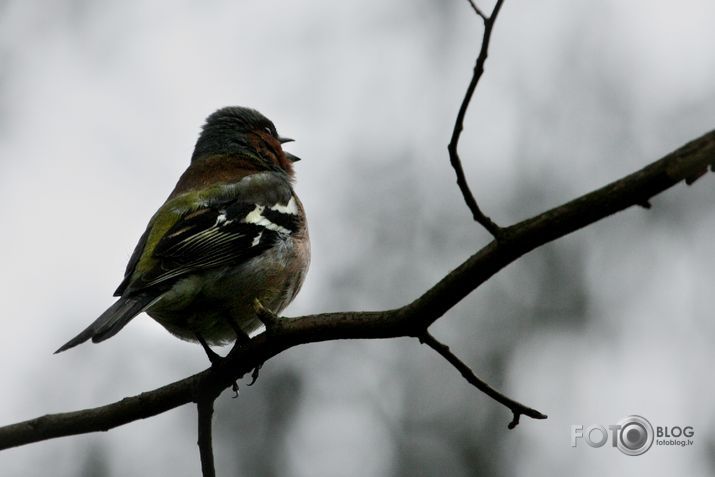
column 454, row 158
column 685, row 164
column 516, row 408
column 478, row 11
column 205, row 411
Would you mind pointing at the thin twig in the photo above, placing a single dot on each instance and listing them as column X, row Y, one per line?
column 454, row 159
column 205, row 409
column 478, row 11
column 516, row 408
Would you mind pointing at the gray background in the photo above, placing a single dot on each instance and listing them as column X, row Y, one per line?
column 100, row 104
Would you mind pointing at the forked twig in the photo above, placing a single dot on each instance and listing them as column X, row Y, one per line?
column 515, row 407
column 477, row 10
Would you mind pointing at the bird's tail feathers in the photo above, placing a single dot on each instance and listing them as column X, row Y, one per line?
column 112, row 320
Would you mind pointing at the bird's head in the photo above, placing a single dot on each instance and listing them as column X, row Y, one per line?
column 236, row 130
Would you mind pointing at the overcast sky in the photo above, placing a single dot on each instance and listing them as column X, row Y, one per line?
column 101, row 103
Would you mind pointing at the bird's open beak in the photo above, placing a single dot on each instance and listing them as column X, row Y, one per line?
column 289, row 156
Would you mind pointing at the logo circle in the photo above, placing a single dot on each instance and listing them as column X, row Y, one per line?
column 635, row 435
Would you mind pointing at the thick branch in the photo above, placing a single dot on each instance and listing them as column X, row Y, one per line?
column 454, row 158
column 684, row 164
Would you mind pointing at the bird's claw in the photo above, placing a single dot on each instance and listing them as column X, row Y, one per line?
column 254, row 374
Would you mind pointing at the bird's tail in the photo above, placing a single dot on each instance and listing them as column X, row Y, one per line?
column 111, row 321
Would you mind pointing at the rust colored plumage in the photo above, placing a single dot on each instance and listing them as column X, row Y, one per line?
column 213, row 170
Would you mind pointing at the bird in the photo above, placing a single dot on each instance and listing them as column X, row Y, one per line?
column 230, row 239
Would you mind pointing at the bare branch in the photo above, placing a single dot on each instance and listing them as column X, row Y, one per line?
column 100, row 418
column 205, row 411
column 478, row 11
column 516, row 408
column 454, row 158
column 685, row 164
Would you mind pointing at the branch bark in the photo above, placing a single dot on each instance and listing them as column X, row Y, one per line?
column 685, row 164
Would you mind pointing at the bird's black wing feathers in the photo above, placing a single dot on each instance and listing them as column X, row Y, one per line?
column 218, row 236
column 239, row 222
column 227, row 233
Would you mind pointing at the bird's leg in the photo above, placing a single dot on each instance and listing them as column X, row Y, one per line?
column 214, row 357
column 242, row 338
column 269, row 320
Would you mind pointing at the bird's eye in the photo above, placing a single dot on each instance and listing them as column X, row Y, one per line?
column 268, row 130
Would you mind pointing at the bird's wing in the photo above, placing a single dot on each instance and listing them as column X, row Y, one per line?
column 200, row 232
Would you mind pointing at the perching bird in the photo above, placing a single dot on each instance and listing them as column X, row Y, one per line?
column 231, row 232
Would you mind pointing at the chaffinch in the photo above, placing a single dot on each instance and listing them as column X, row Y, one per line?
column 232, row 231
